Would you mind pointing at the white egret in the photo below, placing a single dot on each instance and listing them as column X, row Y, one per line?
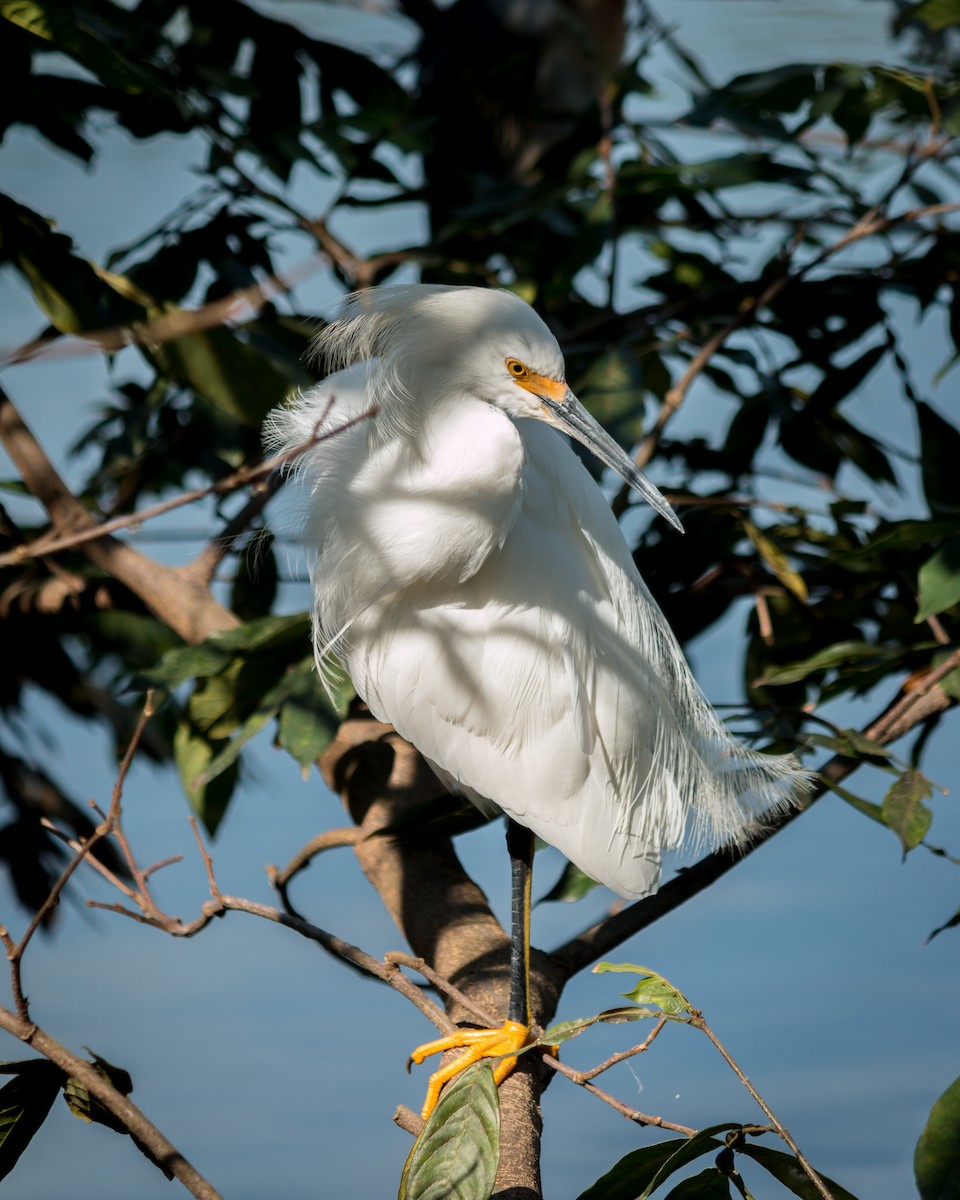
column 471, row 578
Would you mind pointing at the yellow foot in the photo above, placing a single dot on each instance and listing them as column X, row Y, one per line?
column 477, row 1044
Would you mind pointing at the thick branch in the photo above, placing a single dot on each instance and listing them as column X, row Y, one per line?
column 443, row 915
column 185, row 606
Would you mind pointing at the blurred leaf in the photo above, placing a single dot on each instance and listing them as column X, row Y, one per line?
column 80, row 40
column 852, row 744
column 573, row 884
column 938, row 581
column 83, row 1104
column 255, row 582
column 873, row 811
column 953, row 922
column 938, row 14
column 24, row 1104
column 786, row 1170
column 776, row 560
column 225, row 370
column 457, row 1153
column 936, row 1160
column 193, row 754
column 904, row 810
column 71, row 292
column 830, row 658
column 306, row 721
column 650, row 989
column 939, row 455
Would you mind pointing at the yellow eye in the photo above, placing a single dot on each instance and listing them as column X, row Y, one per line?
column 516, row 368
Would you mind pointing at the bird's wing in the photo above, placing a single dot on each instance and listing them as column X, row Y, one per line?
column 549, row 685
column 515, row 684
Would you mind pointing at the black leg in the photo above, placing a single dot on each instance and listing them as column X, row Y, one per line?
column 520, row 843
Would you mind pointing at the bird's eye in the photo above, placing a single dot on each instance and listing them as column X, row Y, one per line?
column 516, row 368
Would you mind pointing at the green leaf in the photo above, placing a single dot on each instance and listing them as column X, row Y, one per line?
column 457, row 1153
column 193, row 754
column 563, row 1031
column 830, row 658
column 86, row 1106
column 306, row 721
column 938, row 582
column 651, row 989
column 80, row 40
column 851, row 743
column 873, row 811
column 573, row 884
column 951, row 924
column 710, row 1184
column 936, row 1160
column 904, row 810
column 638, row 1174
column 950, row 683
column 786, row 1170
column 24, row 1104
column 938, row 14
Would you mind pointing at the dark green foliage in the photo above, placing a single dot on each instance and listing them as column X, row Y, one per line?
column 790, row 249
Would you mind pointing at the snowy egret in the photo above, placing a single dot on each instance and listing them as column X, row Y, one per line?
column 471, row 578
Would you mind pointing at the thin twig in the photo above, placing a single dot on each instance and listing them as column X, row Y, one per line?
column 330, row 839
column 398, row 958
column 83, row 849
column 260, row 474
column 698, row 1022
column 621, row 1056
column 632, row 1114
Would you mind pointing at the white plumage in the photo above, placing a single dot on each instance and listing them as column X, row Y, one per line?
column 473, row 581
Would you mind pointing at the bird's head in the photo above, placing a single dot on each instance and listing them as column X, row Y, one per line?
column 434, row 341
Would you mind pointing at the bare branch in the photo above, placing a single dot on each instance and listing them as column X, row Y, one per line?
column 121, row 1106
column 698, row 1022
column 330, row 839
column 632, row 1114
column 186, row 607
column 906, row 712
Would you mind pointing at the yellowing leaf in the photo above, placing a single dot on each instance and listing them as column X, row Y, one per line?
column 776, row 560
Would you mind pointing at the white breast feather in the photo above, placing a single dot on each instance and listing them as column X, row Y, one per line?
column 506, row 633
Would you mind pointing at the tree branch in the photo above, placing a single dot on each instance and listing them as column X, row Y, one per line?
column 906, row 712
column 186, row 607
column 122, row 1108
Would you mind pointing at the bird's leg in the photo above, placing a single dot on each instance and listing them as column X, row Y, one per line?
column 500, row 1043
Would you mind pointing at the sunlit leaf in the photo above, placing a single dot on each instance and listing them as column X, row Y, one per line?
column 938, row 582
column 563, row 1031
column 776, row 560
column 652, row 988
column 938, row 14
column 193, row 754
column 457, row 1153
column 936, row 1160
column 904, row 810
